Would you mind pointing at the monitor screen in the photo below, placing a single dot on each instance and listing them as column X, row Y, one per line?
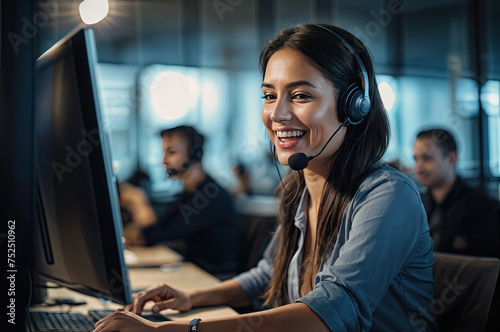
column 78, row 234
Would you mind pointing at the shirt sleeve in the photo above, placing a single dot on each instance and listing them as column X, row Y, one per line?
column 200, row 211
column 386, row 225
column 256, row 280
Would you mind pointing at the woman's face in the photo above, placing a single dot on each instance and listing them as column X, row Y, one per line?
column 300, row 109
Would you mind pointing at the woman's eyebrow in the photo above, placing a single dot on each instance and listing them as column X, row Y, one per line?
column 290, row 85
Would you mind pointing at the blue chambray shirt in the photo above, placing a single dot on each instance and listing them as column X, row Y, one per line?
column 379, row 274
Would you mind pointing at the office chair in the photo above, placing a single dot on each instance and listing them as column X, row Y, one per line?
column 256, row 235
column 493, row 323
column 463, row 291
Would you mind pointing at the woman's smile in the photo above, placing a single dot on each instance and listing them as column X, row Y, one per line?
column 287, row 138
column 300, row 108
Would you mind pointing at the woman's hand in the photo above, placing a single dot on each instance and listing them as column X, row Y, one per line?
column 124, row 321
column 165, row 297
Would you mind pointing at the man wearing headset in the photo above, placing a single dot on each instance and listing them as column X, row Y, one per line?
column 202, row 216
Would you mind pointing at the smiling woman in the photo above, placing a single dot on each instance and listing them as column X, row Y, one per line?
column 352, row 250
column 298, row 106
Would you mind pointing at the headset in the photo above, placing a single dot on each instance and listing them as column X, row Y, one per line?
column 353, row 106
column 354, row 102
column 196, row 151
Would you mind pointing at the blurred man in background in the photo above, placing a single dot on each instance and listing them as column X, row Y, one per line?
column 203, row 215
column 461, row 220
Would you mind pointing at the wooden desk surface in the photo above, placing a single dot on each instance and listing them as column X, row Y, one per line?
column 140, row 256
column 182, row 275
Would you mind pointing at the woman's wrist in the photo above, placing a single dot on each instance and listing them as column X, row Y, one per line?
column 172, row 326
column 194, row 296
column 228, row 292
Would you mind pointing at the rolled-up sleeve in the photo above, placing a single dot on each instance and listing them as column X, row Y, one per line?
column 255, row 281
column 386, row 223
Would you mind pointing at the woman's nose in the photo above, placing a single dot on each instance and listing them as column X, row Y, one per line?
column 281, row 111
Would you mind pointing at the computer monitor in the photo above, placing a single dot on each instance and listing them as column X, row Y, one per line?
column 78, row 234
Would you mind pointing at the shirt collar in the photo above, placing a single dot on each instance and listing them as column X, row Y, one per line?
column 300, row 215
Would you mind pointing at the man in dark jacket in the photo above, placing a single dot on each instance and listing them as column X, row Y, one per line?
column 203, row 215
column 462, row 220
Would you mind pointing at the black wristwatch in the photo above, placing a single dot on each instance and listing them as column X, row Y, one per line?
column 193, row 326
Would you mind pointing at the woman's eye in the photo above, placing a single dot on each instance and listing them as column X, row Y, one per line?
column 268, row 97
column 301, row 96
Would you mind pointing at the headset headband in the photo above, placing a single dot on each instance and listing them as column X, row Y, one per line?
column 361, row 65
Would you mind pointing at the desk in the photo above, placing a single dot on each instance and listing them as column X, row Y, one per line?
column 140, row 256
column 182, row 275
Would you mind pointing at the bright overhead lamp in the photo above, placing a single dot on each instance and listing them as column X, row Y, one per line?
column 93, row 11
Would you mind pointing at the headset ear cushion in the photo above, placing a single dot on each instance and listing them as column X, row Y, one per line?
column 342, row 107
column 353, row 105
column 198, row 152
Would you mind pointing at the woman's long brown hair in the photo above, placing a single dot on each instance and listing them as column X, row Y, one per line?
column 363, row 145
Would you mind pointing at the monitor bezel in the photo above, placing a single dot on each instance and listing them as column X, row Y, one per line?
column 82, row 43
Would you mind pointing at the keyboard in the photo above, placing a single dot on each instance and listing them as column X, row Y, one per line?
column 56, row 321
column 98, row 314
column 69, row 321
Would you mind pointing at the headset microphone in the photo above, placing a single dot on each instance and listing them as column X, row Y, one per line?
column 185, row 166
column 172, row 171
column 298, row 161
column 195, row 151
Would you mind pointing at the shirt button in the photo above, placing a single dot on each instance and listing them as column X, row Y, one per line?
column 295, row 282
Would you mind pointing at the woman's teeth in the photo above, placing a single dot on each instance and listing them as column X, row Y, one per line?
column 286, row 136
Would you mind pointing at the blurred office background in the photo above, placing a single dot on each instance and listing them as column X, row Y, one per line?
column 164, row 63
column 167, row 62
